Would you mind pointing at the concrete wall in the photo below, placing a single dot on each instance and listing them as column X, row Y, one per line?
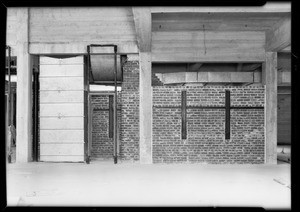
column 71, row 29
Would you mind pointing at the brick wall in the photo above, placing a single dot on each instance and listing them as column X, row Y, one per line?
column 129, row 146
column 128, row 115
column 102, row 145
column 205, row 141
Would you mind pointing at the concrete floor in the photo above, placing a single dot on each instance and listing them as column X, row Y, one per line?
column 124, row 184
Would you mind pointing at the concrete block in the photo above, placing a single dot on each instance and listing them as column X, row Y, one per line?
column 219, row 77
column 191, row 77
column 241, row 76
column 202, row 76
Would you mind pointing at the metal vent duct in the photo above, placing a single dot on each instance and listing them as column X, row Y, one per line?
column 103, row 69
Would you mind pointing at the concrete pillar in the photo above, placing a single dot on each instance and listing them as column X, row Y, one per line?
column 269, row 79
column 24, row 91
column 145, row 108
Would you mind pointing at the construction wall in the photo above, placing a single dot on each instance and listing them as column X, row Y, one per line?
column 206, row 141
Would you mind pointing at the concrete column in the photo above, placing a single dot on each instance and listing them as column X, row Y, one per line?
column 24, row 90
column 145, row 92
column 269, row 79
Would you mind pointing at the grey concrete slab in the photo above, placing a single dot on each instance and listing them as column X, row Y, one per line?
column 133, row 184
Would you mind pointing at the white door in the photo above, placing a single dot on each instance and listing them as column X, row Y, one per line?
column 62, row 109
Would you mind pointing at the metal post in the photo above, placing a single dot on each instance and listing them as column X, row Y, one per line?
column 115, row 110
column 183, row 115
column 35, row 113
column 90, row 73
column 8, row 108
column 227, row 114
column 111, row 117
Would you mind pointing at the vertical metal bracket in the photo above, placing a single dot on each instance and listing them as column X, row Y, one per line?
column 183, row 115
column 111, row 117
column 227, row 114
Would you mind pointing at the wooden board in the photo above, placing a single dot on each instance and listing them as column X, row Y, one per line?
column 62, row 158
column 66, row 136
column 61, row 97
column 61, row 109
column 61, row 70
column 61, row 149
column 208, row 46
column 61, row 83
column 56, row 123
column 61, row 61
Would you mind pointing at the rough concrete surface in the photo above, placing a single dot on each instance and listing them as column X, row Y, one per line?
column 133, row 184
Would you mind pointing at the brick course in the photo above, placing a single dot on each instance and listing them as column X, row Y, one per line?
column 205, row 141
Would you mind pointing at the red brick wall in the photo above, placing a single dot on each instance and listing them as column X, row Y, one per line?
column 102, row 145
column 205, row 141
column 129, row 146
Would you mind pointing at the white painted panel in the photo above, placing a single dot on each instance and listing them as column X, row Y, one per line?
column 66, row 136
column 61, row 61
column 61, row 83
column 61, row 96
column 62, row 149
column 61, row 123
column 61, row 109
column 64, row 109
column 62, row 158
column 61, row 70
